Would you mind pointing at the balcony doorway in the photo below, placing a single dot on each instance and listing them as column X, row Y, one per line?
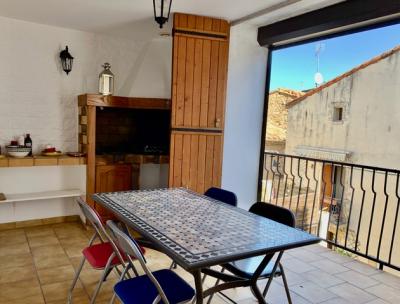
column 331, row 140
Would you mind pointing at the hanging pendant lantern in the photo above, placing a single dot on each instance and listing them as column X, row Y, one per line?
column 66, row 60
column 162, row 8
column 106, row 80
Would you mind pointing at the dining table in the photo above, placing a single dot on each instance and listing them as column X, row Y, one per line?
column 198, row 232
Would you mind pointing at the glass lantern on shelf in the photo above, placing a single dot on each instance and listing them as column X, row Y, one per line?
column 106, row 80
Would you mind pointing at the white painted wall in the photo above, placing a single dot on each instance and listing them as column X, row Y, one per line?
column 244, row 113
column 37, row 97
column 153, row 176
column 40, row 179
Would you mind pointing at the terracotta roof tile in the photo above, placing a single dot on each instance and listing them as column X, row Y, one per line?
column 347, row 74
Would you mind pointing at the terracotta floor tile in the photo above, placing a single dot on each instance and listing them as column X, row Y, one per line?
column 105, row 293
column 49, row 250
column 39, row 231
column 89, row 233
column 74, row 251
column 13, row 249
column 11, row 261
column 36, row 299
column 56, row 251
column 68, row 230
column 58, row 291
column 74, row 246
column 56, row 274
column 51, row 261
column 76, row 300
column 75, row 261
column 14, row 236
column 90, row 276
column 11, row 232
column 76, row 240
column 37, row 241
column 68, row 225
column 16, row 274
column 11, row 292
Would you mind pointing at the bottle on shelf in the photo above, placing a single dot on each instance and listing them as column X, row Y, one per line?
column 21, row 140
column 28, row 143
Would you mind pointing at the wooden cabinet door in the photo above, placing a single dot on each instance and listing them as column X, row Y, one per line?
column 199, row 76
column 110, row 178
column 200, row 62
column 197, row 160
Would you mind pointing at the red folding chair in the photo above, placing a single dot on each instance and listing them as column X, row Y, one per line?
column 104, row 256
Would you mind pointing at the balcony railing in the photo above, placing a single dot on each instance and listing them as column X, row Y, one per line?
column 352, row 207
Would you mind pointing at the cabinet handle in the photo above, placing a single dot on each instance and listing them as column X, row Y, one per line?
column 217, row 122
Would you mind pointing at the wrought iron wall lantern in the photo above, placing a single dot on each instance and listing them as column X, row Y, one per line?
column 66, row 60
column 162, row 8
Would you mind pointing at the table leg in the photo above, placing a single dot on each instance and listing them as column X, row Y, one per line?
column 199, row 286
column 277, row 262
column 257, row 293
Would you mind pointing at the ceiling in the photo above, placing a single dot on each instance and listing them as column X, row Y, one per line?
column 135, row 17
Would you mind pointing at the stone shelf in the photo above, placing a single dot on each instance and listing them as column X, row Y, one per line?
column 22, row 197
column 63, row 160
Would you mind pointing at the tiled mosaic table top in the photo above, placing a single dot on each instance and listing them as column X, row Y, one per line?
column 198, row 230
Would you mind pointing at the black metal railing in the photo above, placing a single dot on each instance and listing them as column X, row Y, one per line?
column 352, row 207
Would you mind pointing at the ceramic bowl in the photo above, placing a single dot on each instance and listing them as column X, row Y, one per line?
column 18, row 151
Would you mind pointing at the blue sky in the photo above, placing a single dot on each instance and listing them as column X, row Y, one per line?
column 294, row 67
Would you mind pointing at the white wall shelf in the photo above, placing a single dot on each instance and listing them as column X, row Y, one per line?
column 22, row 197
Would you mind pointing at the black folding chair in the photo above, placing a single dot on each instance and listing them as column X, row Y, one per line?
column 245, row 268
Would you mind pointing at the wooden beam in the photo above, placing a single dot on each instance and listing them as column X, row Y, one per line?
column 333, row 17
column 124, row 102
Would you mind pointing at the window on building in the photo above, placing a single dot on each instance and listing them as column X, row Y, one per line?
column 338, row 113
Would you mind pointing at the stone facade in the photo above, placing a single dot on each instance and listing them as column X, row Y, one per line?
column 277, row 117
column 369, row 98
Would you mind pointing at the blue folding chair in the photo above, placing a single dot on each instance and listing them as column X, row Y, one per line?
column 162, row 286
column 222, row 195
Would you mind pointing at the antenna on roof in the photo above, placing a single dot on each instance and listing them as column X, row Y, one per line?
column 318, row 78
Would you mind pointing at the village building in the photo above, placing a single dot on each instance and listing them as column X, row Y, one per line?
column 277, row 117
column 347, row 132
column 352, row 117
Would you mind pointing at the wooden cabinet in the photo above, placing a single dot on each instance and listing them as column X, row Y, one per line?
column 196, row 161
column 111, row 178
column 199, row 76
